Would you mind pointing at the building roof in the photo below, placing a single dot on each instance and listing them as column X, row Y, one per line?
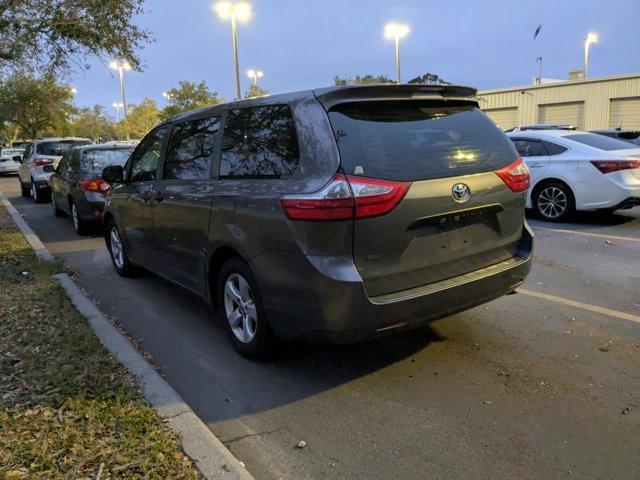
column 562, row 83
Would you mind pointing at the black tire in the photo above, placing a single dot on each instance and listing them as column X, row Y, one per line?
column 26, row 192
column 554, row 201
column 262, row 342
column 123, row 265
column 56, row 211
column 79, row 225
column 38, row 196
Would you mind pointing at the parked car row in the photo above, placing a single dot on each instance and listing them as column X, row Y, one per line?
column 334, row 214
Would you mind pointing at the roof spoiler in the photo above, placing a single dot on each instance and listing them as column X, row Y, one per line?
column 329, row 97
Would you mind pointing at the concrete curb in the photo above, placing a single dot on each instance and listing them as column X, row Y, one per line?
column 32, row 238
column 212, row 458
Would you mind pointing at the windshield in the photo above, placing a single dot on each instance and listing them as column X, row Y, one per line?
column 418, row 140
column 599, row 141
column 97, row 160
column 58, row 148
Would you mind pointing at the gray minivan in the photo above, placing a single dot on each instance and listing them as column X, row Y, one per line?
column 335, row 214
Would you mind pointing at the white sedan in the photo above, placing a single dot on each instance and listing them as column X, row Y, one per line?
column 575, row 170
column 7, row 162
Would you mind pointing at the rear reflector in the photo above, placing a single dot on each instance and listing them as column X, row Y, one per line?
column 609, row 166
column 346, row 198
column 41, row 162
column 515, row 175
column 97, row 185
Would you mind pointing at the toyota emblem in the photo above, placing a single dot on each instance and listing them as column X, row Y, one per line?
column 460, row 192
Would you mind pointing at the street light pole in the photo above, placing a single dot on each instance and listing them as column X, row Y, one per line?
column 121, row 66
column 117, row 106
column 236, row 12
column 234, row 32
column 591, row 38
column 396, row 31
column 255, row 75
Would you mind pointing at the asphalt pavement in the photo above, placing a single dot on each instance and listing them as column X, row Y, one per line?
column 541, row 384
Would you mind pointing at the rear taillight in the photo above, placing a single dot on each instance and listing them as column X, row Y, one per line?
column 41, row 162
column 609, row 166
column 515, row 175
column 345, row 198
column 97, row 185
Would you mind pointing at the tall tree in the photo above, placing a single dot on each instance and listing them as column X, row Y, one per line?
column 10, row 132
column 430, row 79
column 189, row 96
column 35, row 104
column 361, row 80
column 256, row 91
column 93, row 123
column 140, row 119
column 51, row 34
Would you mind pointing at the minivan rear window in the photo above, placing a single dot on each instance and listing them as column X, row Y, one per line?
column 409, row 140
column 58, row 148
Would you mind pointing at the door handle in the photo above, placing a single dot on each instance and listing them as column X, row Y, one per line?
column 536, row 164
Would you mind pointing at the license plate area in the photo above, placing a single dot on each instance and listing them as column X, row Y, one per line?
column 448, row 222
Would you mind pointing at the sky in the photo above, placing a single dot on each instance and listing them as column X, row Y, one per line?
column 301, row 44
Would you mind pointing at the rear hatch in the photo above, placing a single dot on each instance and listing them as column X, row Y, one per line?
column 443, row 148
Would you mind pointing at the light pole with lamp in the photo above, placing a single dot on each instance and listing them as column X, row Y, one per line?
column 255, row 75
column 591, row 38
column 236, row 12
column 121, row 66
column 396, row 31
column 117, row 106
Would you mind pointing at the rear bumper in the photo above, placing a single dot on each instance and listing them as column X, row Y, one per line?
column 9, row 167
column 90, row 207
column 302, row 302
column 628, row 202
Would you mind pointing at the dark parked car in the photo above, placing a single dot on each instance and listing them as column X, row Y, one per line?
column 335, row 214
column 77, row 188
column 629, row 136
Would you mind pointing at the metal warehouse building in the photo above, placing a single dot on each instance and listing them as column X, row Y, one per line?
column 591, row 103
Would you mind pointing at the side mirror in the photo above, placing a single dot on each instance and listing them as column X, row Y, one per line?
column 17, row 158
column 48, row 169
column 113, row 174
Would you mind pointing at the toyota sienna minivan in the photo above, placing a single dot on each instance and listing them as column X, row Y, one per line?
column 335, row 214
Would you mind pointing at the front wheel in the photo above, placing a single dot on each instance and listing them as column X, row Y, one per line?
column 554, row 202
column 241, row 307
column 119, row 259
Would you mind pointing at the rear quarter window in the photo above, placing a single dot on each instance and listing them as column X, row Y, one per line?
column 418, row 139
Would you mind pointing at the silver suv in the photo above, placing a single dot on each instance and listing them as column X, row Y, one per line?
column 40, row 158
column 335, row 214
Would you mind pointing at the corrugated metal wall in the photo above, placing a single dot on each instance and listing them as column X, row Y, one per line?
column 596, row 93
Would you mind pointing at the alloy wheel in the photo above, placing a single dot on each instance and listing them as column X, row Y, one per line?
column 115, row 244
column 552, row 202
column 240, row 308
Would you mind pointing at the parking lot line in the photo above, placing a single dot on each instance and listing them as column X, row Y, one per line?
column 583, row 306
column 589, row 234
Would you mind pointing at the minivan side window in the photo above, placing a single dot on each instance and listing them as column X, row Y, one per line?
column 144, row 162
column 190, row 151
column 259, row 142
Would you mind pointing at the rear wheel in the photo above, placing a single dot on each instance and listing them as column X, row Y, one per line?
column 554, row 201
column 116, row 248
column 37, row 195
column 241, row 307
column 23, row 189
column 56, row 211
column 78, row 224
